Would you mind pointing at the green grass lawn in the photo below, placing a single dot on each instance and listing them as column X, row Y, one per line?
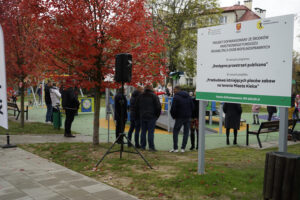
column 231, row 173
column 30, row 128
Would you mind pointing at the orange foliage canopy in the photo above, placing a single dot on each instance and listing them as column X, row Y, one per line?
column 81, row 38
column 22, row 51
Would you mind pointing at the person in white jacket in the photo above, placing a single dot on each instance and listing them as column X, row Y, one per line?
column 55, row 99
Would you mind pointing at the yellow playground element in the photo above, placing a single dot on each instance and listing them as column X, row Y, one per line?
column 112, row 126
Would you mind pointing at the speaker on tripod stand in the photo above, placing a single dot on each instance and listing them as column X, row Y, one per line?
column 123, row 69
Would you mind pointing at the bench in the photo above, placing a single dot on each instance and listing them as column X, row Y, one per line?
column 15, row 108
column 268, row 127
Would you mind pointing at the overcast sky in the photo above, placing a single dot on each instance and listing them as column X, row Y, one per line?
column 275, row 8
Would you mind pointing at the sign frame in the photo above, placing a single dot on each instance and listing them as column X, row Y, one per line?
column 247, row 62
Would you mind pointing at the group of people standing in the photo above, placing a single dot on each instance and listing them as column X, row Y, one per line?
column 145, row 108
column 70, row 103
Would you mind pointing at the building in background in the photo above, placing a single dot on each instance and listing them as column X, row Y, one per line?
column 231, row 14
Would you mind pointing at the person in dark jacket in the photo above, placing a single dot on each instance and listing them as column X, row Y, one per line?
column 39, row 93
column 233, row 112
column 49, row 118
column 271, row 110
column 120, row 113
column 181, row 110
column 70, row 104
column 195, row 124
column 135, row 123
column 148, row 110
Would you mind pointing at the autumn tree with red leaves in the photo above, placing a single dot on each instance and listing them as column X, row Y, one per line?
column 21, row 47
column 82, row 37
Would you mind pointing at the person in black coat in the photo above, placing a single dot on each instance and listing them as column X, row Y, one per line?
column 120, row 113
column 48, row 86
column 39, row 93
column 70, row 104
column 195, row 124
column 148, row 109
column 233, row 112
column 135, row 123
column 181, row 110
column 271, row 110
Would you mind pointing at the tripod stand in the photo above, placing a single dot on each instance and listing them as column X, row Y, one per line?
column 120, row 138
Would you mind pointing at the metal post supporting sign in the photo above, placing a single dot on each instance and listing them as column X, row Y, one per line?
column 283, row 129
column 201, row 148
column 220, row 118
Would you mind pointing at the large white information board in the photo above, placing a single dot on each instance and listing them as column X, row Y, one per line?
column 246, row 62
column 3, row 96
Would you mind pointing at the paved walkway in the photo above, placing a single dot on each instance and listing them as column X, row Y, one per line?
column 25, row 176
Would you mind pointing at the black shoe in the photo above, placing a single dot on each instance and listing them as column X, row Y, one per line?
column 137, row 146
column 129, row 144
column 152, row 150
column 254, row 123
column 234, row 142
column 143, row 148
column 192, row 148
column 69, row 135
column 227, row 141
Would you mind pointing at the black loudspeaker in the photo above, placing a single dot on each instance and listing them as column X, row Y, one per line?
column 123, row 67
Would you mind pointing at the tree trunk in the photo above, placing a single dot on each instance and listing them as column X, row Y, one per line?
column 282, row 177
column 96, row 116
column 22, row 105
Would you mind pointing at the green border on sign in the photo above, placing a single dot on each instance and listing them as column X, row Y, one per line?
column 245, row 98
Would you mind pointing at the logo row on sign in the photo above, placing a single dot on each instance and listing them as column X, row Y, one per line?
column 259, row 26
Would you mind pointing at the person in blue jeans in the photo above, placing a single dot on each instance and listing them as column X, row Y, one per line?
column 181, row 110
column 135, row 123
column 148, row 109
